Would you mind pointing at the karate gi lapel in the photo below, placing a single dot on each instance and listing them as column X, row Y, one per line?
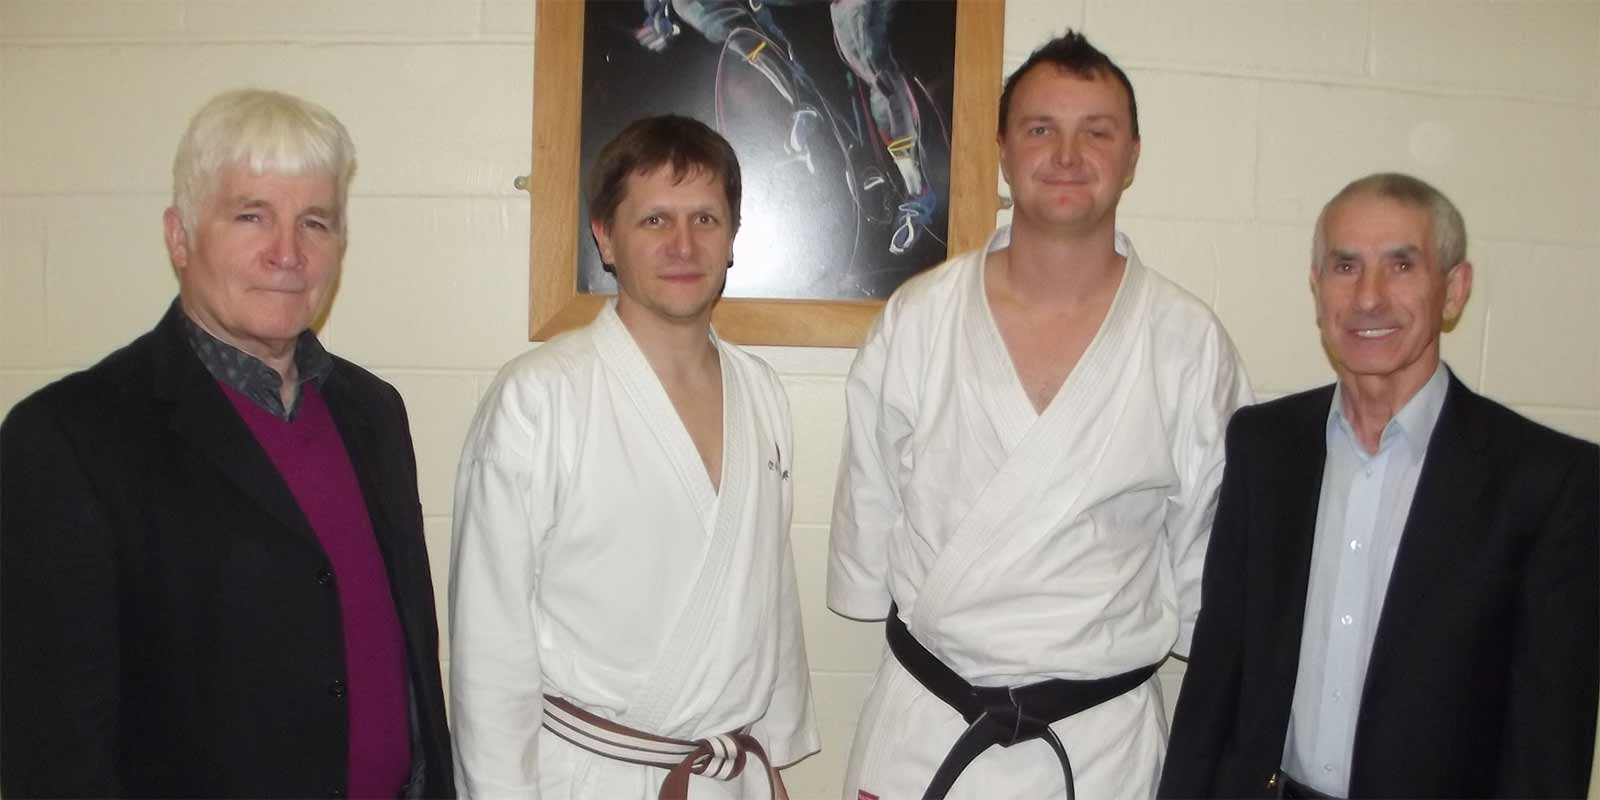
column 1059, row 440
column 691, row 638
column 689, row 632
column 627, row 364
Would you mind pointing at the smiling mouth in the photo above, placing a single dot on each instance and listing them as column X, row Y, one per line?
column 1374, row 333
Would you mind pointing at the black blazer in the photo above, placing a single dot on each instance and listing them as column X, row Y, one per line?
column 166, row 615
column 1482, row 679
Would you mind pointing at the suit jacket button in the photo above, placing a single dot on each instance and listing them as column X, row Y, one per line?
column 336, row 793
column 337, row 689
column 324, row 576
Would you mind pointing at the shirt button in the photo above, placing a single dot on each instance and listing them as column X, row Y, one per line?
column 337, row 689
column 324, row 576
column 1346, row 619
column 1338, row 695
column 1328, row 768
column 1355, row 545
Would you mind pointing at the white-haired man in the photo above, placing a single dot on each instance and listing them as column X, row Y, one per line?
column 213, row 580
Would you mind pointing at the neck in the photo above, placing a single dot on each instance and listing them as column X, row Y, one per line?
column 1044, row 268
column 1369, row 402
column 675, row 349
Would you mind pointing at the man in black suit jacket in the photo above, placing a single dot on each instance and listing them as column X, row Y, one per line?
column 1400, row 598
column 213, row 580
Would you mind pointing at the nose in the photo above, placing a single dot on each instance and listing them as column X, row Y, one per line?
column 1370, row 289
column 287, row 251
column 682, row 241
column 1067, row 153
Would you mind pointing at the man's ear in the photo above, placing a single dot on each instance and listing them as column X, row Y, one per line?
column 602, row 240
column 177, row 238
column 1315, row 289
column 1000, row 147
column 1133, row 164
column 1457, row 289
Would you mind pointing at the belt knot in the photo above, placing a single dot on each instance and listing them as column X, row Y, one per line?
column 1002, row 713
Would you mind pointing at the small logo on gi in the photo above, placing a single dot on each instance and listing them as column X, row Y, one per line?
column 775, row 464
column 863, row 794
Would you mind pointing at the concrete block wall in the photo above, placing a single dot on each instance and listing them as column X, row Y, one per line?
column 1253, row 111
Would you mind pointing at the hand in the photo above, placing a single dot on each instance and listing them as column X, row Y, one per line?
column 658, row 29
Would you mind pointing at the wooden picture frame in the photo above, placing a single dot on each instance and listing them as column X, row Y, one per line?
column 556, row 305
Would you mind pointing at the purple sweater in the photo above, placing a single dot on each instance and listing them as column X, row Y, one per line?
column 310, row 456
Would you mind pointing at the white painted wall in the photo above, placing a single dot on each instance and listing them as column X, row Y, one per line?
column 1254, row 111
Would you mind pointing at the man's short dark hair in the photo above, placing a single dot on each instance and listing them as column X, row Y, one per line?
column 1072, row 53
column 648, row 144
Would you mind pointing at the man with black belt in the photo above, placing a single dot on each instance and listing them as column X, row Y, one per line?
column 1401, row 598
column 1034, row 445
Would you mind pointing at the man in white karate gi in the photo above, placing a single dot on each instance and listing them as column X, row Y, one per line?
column 624, row 618
column 1034, row 446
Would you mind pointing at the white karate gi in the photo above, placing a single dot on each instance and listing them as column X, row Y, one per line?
column 1024, row 546
column 594, row 560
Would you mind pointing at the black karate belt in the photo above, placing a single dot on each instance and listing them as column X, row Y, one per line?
column 1001, row 715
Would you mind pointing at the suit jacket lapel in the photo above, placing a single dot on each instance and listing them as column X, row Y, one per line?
column 1453, row 475
column 1298, row 490
column 209, row 425
column 356, row 428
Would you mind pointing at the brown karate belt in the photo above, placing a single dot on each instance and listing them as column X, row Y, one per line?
column 723, row 756
column 1002, row 715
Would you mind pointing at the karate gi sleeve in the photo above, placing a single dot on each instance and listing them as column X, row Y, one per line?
column 59, row 630
column 789, row 728
column 866, row 504
column 1212, row 386
column 1548, row 737
column 504, row 505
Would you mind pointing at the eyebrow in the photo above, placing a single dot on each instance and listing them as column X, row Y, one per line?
column 670, row 210
column 245, row 201
column 1032, row 119
column 1398, row 251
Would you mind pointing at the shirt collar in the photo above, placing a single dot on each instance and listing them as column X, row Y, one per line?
column 250, row 376
column 1414, row 421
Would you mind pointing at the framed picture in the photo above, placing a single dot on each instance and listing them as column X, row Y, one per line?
column 844, row 115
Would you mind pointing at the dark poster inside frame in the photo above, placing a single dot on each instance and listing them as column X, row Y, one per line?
column 825, row 231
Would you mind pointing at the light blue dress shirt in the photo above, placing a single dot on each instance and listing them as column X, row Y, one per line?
column 1361, row 514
